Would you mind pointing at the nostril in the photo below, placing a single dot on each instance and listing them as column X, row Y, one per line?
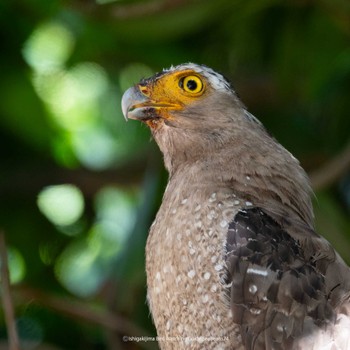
column 144, row 90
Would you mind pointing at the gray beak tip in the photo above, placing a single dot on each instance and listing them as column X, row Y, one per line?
column 127, row 100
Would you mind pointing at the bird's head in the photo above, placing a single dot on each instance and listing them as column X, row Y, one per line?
column 189, row 108
column 167, row 96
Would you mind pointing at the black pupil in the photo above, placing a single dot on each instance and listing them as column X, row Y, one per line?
column 191, row 85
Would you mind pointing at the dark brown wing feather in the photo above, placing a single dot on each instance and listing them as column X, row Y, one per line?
column 280, row 288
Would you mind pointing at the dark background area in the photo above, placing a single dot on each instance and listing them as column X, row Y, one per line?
column 79, row 187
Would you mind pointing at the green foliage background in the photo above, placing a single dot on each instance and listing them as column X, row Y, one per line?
column 77, row 270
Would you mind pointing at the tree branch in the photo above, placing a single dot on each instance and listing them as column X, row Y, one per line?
column 130, row 11
column 331, row 171
column 148, row 8
column 88, row 181
column 6, row 297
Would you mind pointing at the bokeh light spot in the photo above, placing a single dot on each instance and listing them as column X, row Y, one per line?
column 62, row 204
column 115, row 213
column 85, row 265
column 72, row 95
column 94, row 147
column 16, row 263
column 78, row 269
column 48, row 47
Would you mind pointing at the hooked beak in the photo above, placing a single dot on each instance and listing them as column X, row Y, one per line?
column 136, row 105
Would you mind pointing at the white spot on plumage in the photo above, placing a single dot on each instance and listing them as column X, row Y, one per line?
column 207, row 275
column 180, row 328
column 197, row 208
column 191, row 273
column 201, row 340
column 184, row 201
column 256, row 271
column 228, row 285
column 236, row 202
column 248, row 178
column 214, row 288
column 212, row 198
column 198, row 224
column 280, row 328
column 168, row 325
column 253, row 288
column 214, row 258
column 255, row 311
column 223, row 223
column 248, row 204
column 158, row 276
column 218, row 267
column 192, row 251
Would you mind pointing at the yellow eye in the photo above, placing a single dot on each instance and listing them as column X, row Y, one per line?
column 191, row 84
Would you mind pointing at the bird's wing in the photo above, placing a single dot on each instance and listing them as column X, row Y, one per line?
column 286, row 281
